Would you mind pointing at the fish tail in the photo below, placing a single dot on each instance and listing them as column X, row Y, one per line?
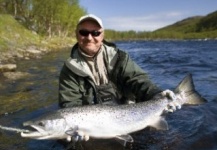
column 187, row 90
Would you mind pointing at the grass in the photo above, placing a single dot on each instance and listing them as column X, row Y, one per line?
column 13, row 34
column 14, row 37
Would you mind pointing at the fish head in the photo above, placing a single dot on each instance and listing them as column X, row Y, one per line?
column 51, row 126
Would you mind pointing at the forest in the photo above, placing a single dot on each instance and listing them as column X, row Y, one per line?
column 45, row 17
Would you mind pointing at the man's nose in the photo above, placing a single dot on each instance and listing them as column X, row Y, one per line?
column 89, row 36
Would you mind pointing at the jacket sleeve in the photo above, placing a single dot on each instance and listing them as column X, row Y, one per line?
column 134, row 80
column 69, row 94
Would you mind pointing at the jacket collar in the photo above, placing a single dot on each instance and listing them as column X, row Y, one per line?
column 78, row 65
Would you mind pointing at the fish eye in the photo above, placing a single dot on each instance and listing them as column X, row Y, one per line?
column 41, row 124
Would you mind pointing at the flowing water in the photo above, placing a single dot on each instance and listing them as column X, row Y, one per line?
column 166, row 62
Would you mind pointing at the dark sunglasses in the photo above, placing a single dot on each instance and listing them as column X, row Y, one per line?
column 86, row 33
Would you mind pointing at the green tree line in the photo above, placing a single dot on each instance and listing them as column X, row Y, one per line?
column 45, row 17
column 59, row 17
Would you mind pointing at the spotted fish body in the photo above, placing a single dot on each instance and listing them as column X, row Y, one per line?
column 104, row 121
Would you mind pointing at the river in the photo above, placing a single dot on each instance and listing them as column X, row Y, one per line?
column 166, row 62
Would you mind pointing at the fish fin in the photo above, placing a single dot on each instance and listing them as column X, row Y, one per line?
column 160, row 124
column 123, row 139
column 186, row 88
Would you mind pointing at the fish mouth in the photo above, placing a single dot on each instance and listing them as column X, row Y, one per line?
column 36, row 132
column 39, row 132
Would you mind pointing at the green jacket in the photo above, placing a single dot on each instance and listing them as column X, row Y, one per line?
column 76, row 86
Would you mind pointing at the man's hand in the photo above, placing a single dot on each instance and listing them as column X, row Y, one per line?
column 80, row 136
column 173, row 104
column 76, row 135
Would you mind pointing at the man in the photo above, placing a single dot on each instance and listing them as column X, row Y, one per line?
column 98, row 72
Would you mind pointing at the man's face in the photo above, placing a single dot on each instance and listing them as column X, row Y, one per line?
column 89, row 36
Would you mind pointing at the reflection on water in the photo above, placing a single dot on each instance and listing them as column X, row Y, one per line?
column 167, row 62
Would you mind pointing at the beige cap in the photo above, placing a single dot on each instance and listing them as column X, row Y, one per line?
column 91, row 17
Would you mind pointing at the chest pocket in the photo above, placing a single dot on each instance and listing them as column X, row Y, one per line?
column 107, row 94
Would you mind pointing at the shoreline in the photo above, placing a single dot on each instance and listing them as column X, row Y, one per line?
column 9, row 58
